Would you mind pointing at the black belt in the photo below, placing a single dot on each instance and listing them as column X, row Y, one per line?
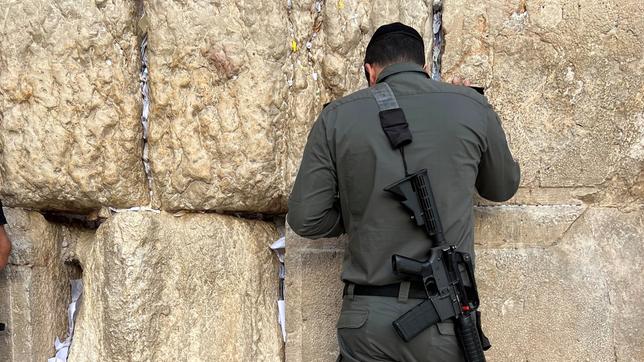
column 416, row 290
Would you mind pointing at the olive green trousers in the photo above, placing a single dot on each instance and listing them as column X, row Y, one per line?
column 365, row 333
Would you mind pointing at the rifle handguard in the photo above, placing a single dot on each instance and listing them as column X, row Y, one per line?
column 469, row 338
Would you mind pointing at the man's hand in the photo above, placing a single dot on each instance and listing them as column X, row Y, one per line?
column 465, row 82
column 5, row 247
column 459, row 81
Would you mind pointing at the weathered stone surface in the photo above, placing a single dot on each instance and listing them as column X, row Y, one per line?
column 546, row 298
column 165, row 288
column 231, row 112
column 34, row 289
column 338, row 33
column 218, row 92
column 620, row 241
column 548, row 196
column 518, row 226
column 572, row 301
column 69, row 105
column 566, row 79
column 538, row 304
column 313, row 297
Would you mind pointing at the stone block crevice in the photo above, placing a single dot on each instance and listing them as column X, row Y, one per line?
column 438, row 39
column 144, row 87
column 145, row 112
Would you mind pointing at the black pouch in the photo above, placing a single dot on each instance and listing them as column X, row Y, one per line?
column 395, row 126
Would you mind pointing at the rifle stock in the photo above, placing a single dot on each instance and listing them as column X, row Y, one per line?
column 415, row 193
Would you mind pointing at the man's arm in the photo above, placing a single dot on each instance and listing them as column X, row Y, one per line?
column 499, row 175
column 313, row 207
column 5, row 243
column 5, row 248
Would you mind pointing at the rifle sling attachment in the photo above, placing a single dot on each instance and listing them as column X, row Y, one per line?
column 392, row 117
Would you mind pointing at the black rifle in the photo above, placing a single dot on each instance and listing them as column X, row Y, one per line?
column 448, row 274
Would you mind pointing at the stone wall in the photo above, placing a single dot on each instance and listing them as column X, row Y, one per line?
column 186, row 274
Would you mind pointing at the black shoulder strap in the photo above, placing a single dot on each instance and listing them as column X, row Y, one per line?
column 392, row 118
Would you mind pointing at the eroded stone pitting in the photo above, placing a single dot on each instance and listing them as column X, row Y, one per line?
column 136, row 276
column 69, row 105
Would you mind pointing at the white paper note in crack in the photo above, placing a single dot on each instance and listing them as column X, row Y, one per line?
column 279, row 247
column 62, row 348
column 281, row 308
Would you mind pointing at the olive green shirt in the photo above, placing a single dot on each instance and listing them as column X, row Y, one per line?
column 348, row 161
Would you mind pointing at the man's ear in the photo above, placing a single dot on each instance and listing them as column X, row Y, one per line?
column 426, row 69
column 366, row 73
column 371, row 74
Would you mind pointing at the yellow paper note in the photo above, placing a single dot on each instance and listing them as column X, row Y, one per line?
column 293, row 46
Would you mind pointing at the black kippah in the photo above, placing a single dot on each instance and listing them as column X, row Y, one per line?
column 394, row 28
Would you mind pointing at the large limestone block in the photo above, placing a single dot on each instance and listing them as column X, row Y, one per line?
column 218, row 95
column 34, row 289
column 566, row 78
column 331, row 38
column 201, row 287
column 572, row 301
column 567, row 296
column 620, row 241
column 544, row 305
column 69, row 105
column 313, row 297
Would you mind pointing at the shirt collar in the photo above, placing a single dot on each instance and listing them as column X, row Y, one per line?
column 400, row 68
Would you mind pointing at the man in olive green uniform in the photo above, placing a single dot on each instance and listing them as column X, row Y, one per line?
column 347, row 163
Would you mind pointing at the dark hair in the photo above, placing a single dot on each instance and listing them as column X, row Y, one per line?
column 395, row 48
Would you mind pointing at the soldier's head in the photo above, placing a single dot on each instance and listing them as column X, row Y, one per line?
column 391, row 44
